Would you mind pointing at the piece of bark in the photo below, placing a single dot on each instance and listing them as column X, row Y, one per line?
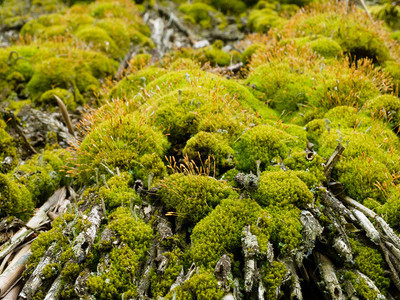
column 292, row 278
column 251, row 250
column 55, row 289
column 80, row 286
column 391, row 235
column 337, row 206
column 333, row 160
column 14, row 269
column 311, row 231
column 33, row 224
column 366, row 224
column 328, row 276
column 229, row 69
column 65, row 115
column 393, row 250
column 35, row 280
column 222, row 272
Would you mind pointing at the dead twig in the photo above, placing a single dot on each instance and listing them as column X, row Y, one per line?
column 65, row 115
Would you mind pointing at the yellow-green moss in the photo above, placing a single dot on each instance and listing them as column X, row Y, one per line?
column 261, row 143
column 15, row 199
column 7, row 149
column 118, row 192
column 128, row 138
column 193, row 196
column 272, row 277
column 202, row 286
column 282, row 188
column 262, row 20
column 371, row 263
column 386, row 107
column 48, row 100
column 210, row 145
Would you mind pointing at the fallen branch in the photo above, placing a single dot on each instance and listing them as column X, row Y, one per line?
column 293, row 279
column 232, row 68
column 333, row 160
column 34, row 223
column 369, row 228
column 250, row 250
column 329, row 278
column 14, row 270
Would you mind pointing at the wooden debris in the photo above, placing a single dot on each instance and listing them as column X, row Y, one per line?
column 333, row 160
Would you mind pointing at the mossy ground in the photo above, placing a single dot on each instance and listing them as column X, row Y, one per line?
column 321, row 76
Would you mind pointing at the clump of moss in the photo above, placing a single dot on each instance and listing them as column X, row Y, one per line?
column 298, row 161
column 128, row 138
column 324, row 46
column 161, row 283
column 282, row 188
column 220, row 231
column 7, row 150
column 48, row 100
column 39, row 177
column 262, row 143
column 250, row 50
column 371, row 263
column 361, row 176
column 262, row 20
column 352, row 31
column 136, row 237
column 193, row 196
column 393, row 68
column 118, row 192
column 15, row 199
column 132, row 84
column 205, row 145
column 201, row 286
column 203, row 14
column 359, row 284
column 151, row 169
column 272, row 277
column 386, row 107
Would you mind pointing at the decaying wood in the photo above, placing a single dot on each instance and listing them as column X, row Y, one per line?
column 222, row 272
column 250, row 249
column 370, row 284
column 391, row 262
column 34, row 223
column 292, row 278
column 55, row 289
column 35, row 280
column 369, row 228
column 328, row 275
column 311, row 231
column 337, row 206
column 13, row 272
column 333, row 160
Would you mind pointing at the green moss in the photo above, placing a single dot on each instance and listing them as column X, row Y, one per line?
column 227, row 7
column 325, row 46
column 193, row 196
column 362, row 289
column 183, row 64
column 371, row 263
column 298, row 161
column 220, row 231
column 386, row 107
column 393, row 68
column 388, row 12
column 282, row 188
column 263, row 20
column 119, row 279
column 118, row 193
column 361, row 176
column 15, row 199
column 161, row 283
column 132, row 84
column 150, row 169
column 213, row 145
column 252, row 49
column 272, row 277
column 203, row 14
column 39, row 177
column 117, row 31
column 48, row 100
column 262, row 143
column 7, row 149
column 202, row 286
column 128, row 138
column 50, row 270
column 353, row 33
column 98, row 39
